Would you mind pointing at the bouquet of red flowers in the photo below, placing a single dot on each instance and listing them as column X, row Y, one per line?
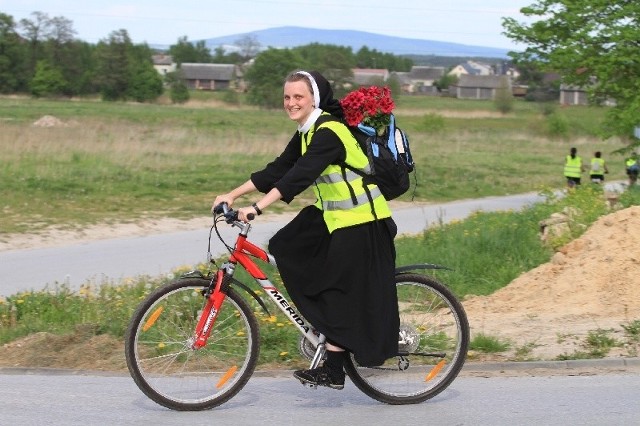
column 370, row 106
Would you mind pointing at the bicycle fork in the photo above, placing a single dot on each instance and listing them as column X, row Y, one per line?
column 209, row 313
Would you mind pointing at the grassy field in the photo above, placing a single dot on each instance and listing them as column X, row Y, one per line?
column 113, row 162
column 117, row 162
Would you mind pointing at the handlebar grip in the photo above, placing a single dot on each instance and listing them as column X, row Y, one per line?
column 251, row 216
column 220, row 208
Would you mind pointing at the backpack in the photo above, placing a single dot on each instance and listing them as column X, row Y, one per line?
column 389, row 157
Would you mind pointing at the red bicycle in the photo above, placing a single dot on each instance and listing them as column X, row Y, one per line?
column 193, row 344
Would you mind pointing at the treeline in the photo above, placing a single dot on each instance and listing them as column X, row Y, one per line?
column 41, row 56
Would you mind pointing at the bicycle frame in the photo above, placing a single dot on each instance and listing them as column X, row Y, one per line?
column 242, row 253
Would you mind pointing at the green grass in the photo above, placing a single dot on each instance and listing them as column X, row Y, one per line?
column 487, row 251
column 121, row 162
column 488, row 344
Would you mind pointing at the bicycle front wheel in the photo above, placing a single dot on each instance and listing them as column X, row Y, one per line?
column 432, row 345
column 160, row 354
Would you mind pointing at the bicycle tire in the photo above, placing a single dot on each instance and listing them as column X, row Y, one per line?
column 433, row 344
column 160, row 357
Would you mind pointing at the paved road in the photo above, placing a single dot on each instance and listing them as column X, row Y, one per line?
column 114, row 259
column 72, row 399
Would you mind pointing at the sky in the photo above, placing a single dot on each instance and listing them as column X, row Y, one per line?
column 161, row 22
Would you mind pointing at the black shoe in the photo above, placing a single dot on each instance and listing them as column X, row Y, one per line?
column 321, row 376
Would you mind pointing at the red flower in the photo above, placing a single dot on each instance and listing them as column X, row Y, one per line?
column 370, row 106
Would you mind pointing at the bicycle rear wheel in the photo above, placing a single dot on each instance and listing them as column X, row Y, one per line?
column 432, row 347
column 162, row 361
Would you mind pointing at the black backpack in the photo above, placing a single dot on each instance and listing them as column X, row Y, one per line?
column 389, row 157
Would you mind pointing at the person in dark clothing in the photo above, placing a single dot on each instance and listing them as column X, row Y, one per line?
column 337, row 256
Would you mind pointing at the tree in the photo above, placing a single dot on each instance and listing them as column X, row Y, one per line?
column 145, row 84
column 367, row 58
column 334, row 62
column 187, row 52
column 12, row 58
column 248, row 47
column 593, row 44
column 35, row 30
column 47, row 81
column 113, row 62
column 447, row 80
column 503, row 99
column 220, row 56
column 60, row 34
column 266, row 76
column 178, row 91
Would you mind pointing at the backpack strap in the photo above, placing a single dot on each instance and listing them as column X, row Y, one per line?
column 325, row 118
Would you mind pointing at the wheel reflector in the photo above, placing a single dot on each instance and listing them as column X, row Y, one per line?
column 152, row 319
column 435, row 370
column 227, row 376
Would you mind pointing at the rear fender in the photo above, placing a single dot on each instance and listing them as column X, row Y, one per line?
column 418, row 266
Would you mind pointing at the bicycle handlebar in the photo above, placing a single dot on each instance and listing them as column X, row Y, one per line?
column 230, row 214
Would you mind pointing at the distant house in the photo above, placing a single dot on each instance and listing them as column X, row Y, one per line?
column 479, row 86
column 163, row 64
column 471, row 68
column 208, row 76
column 369, row 76
column 404, row 79
column 519, row 90
column 573, row 95
column 423, row 77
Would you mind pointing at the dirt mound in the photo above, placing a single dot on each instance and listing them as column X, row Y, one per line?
column 49, row 121
column 591, row 283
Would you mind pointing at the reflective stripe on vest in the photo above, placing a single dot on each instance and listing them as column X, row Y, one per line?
column 337, row 177
column 347, row 204
column 573, row 166
column 341, row 192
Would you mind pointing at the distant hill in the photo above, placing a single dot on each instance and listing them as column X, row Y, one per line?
column 288, row 37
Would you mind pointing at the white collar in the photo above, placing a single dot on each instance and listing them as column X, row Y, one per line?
column 312, row 119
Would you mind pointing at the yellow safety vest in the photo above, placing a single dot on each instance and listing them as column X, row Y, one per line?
column 630, row 162
column 340, row 192
column 573, row 167
column 597, row 166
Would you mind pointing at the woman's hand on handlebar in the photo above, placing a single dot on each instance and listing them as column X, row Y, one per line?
column 224, row 198
column 246, row 214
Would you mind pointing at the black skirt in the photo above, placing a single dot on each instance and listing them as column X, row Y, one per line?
column 343, row 283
